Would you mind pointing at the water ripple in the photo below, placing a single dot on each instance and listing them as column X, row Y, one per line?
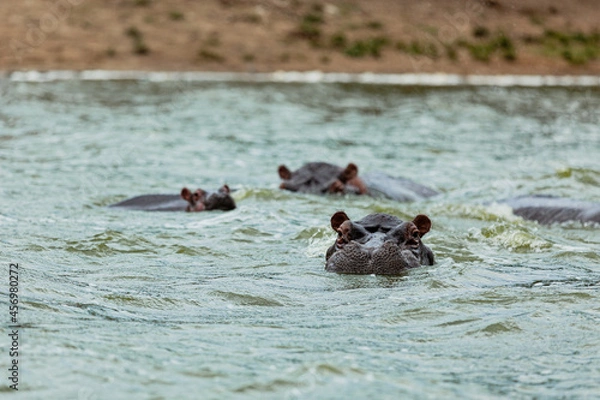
column 238, row 304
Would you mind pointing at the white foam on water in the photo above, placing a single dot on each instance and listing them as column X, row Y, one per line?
column 435, row 79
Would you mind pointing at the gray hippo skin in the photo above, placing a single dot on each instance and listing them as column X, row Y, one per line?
column 323, row 178
column 400, row 189
column 199, row 200
column 548, row 210
column 378, row 244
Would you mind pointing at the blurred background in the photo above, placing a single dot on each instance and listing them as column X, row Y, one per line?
column 393, row 36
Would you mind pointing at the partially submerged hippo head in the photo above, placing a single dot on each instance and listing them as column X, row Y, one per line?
column 201, row 200
column 321, row 178
column 378, row 244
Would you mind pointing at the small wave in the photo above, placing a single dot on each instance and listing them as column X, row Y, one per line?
column 153, row 302
column 197, row 250
column 493, row 212
column 110, row 243
column 107, row 313
column 566, row 282
column 314, row 233
column 319, row 239
column 271, row 386
column 317, row 247
column 514, row 237
column 260, row 194
column 306, row 376
column 496, row 328
column 246, row 299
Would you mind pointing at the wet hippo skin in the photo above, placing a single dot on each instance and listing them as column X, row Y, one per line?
column 378, row 244
column 548, row 209
column 187, row 200
column 323, row 178
column 396, row 188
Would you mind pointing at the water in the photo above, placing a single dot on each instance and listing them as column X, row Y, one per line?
column 237, row 305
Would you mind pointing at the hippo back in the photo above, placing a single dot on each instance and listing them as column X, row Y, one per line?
column 548, row 209
column 399, row 189
column 153, row 202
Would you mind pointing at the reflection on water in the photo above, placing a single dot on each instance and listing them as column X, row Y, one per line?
column 238, row 304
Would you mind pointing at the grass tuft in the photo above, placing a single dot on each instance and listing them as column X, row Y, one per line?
column 210, row 55
column 139, row 46
column 577, row 48
column 369, row 47
column 483, row 50
column 176, row 16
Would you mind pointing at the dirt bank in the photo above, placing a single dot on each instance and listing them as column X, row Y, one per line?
column 393, row 36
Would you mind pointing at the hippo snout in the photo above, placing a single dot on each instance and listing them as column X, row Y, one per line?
column 200, row 200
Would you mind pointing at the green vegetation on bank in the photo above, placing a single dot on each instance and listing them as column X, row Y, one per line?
column 137, row 38
column 366, row 47
column 418, row 48
column 575, row 47
column 482, row 45
column 208, row 50
column 343, row 30
column 485, row 45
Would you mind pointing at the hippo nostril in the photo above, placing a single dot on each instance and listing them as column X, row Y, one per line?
column 341, row 241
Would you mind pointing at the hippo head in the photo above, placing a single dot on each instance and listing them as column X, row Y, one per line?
column 378, row 244
column 321, row 178
column 201, row 200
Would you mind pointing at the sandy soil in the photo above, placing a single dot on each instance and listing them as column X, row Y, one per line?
column 394, row 36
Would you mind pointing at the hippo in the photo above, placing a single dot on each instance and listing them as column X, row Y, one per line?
column 324, row 178
column 378, row 244
column 199, row 200
column 547, row 210
column 321, row 178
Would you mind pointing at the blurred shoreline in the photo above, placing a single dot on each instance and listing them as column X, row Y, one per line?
column 423, row 79
column 459, row 37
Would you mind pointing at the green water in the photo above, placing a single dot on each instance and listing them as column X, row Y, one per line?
column 117, row 304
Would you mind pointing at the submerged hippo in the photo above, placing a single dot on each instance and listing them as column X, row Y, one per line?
column 378, row 244
column 199, row 200
column 323, row 178
column 547, row 209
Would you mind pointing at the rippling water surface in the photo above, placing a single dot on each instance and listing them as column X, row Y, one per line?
column 118, row 304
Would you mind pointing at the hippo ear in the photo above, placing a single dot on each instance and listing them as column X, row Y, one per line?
column 349, row 173
column 186, row 194
column 423, row 224
column 225, row 189
column 338, row 219
column 284, row 172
